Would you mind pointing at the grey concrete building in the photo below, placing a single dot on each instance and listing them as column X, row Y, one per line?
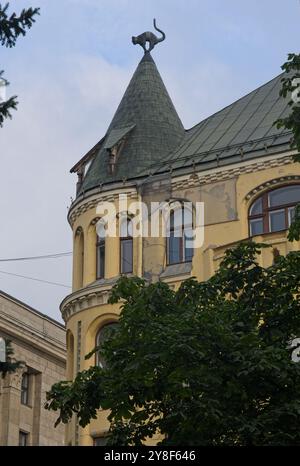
column 39, row 341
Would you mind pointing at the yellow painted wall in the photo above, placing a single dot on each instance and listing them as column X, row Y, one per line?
column 226, row 199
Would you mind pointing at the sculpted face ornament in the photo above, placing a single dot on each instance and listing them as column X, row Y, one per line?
column 149, row 37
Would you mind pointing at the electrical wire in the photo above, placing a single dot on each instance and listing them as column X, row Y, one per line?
column 46, row 256
column 35, row 279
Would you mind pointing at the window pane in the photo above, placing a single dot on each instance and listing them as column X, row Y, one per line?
column 256, row 227
column 187, row 218
column 189, row 252
column 126, row 227
column 188, row 245
column 126, row 256
column 25, row 389
column 256, row 207
column 291, row 215
column 177, row 222
column 174, row 252
column 286, row 195
column 104, row 333
column 100, row 228
column 2, row 350
column 23, row 438
column 277, row 220
column 101, row 259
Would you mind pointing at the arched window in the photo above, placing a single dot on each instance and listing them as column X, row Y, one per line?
column 273, row 210
column 100, row 247
column 103, row 334
column 126, row 246
column 179, row 240
column 79, row 258
column 70, row 354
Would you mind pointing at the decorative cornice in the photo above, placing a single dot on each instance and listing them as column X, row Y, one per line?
column 191, row 181
column 91, row 203
column 221, row 175
column 269, row 184
column 84, row 299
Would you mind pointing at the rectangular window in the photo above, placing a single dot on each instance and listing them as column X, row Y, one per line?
column 189, row 253
column 188, row 244
column 256, row 227
column 291, row 215
column 126, row 255
column 277, row 220
column 23, row 439
column 174, row 246
column 101, row 260
column 25, row 389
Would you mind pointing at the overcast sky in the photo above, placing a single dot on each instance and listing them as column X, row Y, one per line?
column 70, row 72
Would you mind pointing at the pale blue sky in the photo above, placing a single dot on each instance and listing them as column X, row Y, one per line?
column 70, row 72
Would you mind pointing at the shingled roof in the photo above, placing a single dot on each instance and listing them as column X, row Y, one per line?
column 147, row 118
column 243, row 130
column 156, row 142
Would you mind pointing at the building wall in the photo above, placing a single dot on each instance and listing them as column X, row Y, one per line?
column 227, row 193
column 39, row 342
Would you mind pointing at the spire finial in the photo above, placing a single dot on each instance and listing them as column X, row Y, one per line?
column 149, row 37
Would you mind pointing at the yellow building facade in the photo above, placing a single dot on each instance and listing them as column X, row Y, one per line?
column 235, row 162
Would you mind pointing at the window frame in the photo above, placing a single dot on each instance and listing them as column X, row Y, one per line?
column 99, row 363
column 123, row 240
column 24, row 435
column 182, row 239
column 267, row 210
column 25, row 389
column 100, row 258
column 100, row 246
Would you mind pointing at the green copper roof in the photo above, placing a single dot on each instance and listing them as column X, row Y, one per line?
column 146, row 117
column 116, row 135
column 240, row 131
column 157, row 143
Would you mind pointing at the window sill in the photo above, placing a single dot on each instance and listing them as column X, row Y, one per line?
column 173, row 270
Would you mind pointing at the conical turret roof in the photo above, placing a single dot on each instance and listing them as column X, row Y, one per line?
column 147, row 123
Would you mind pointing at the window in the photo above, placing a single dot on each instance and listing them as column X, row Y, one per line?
column 126, row 246
column 104, row 333
column 23, row 439
column 273, row 210
column 2, row 350
column 180, row 241
column 79, row 257
column 100, row 250
column 25, row 389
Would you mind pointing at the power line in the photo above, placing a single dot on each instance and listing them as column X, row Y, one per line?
column 35, row 279
column 46, row 256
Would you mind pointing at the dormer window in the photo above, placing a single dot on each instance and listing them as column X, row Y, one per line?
column 114, row 144
column 86, row 167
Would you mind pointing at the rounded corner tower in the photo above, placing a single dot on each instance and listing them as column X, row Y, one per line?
column 144, row 131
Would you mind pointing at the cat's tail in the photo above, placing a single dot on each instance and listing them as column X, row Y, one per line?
column 159, row 30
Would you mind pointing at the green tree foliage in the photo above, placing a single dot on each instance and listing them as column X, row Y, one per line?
column 11, row 27
column 9, row 365
column 209, row 364
column 291, row 88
